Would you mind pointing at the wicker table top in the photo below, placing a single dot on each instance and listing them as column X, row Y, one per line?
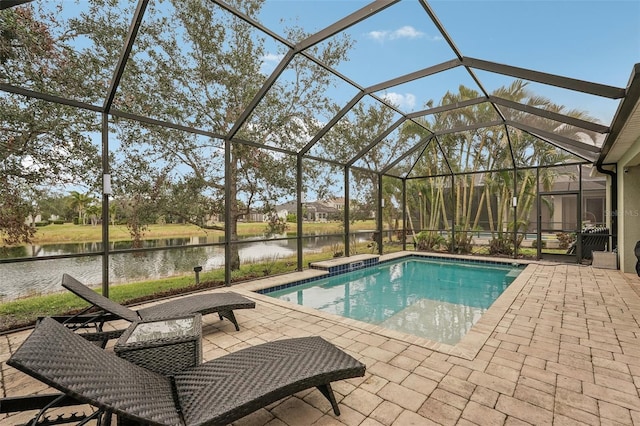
column 173, row 328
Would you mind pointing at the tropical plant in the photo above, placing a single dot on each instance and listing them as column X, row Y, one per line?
column 93, row 213
column 429, row 240
column 500, row 246
column 79, row 203
column 482, row 162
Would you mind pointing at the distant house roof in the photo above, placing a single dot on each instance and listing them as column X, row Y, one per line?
column 321, row 207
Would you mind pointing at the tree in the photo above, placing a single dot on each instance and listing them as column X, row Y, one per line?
column 480, row 158
column 55, row 205
column 80, row 202
column 195, row 64
column 41, row 144
column 93, row 213
column 364, row 125
column 113, row 213
column 13, row 213
column 391, row 194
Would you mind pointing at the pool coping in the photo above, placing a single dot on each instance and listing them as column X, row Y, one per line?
column 467, row 348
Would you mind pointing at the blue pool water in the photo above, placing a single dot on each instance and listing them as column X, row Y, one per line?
column 432, row 298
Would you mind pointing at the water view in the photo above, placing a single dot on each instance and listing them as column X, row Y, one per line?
column 30, row 278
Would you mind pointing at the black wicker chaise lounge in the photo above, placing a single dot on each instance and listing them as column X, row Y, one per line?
column 216, row 392
column 206, row 303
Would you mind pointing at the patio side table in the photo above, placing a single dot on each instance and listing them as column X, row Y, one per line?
column 165, row 346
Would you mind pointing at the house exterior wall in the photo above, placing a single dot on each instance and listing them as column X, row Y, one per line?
column 30, row 219
column 628, row 217
column 556, row 219
column 629, row 207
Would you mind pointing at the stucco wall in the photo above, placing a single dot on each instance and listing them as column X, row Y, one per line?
column 628, row 215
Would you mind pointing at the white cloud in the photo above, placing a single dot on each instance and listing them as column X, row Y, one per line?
column 406, row 31
column 269, row 62
column 378, row 35
column 272, row 57
column 408, row 100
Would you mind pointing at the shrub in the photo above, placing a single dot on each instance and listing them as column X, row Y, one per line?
column 337, row 250
column 428, row 240
column 276, row 225
column 565, row 239
column 43, row 223
column 543, row 244
column 500, row 246
column 461, row 244
column 58, row 222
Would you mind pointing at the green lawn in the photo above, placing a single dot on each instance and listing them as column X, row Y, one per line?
column 24, row 312
column 68, row 233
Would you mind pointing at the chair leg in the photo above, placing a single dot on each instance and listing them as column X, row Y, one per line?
column 230, row 316
column 328, row 393
column 106, row 419
column 45, row 402
column 14, row 404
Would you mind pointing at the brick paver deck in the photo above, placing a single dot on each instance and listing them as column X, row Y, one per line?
column 560, row 346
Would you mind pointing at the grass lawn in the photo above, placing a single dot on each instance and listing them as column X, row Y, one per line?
column 69, row 233
column 23, row 312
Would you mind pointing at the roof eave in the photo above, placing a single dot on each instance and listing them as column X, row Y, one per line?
column 628, row 112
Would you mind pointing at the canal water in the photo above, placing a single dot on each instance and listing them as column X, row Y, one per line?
column 24, row 279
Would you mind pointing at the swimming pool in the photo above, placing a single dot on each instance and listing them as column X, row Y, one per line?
column 432, row 298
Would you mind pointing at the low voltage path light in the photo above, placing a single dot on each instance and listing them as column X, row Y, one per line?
column 197, row 270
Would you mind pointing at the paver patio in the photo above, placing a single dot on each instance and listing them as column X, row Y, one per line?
column 560, row 346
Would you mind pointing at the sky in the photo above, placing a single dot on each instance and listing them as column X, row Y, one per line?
column 592, row 40
column 597, row 41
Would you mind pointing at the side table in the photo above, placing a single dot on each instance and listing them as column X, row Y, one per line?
column 165, row 346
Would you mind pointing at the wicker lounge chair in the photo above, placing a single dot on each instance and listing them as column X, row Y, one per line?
column 221, row 303
column 214, row 393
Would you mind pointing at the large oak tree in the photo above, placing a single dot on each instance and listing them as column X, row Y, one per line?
column 194, row 64
column 42, row 144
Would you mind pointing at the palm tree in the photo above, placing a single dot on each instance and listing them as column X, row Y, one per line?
column 79, row 203
column 478, row 157
column 113, row 212
column 92, row 212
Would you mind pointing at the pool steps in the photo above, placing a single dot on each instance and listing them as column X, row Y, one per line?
column 340, row 265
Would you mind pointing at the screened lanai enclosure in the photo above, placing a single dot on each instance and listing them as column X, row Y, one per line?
column 285, row 134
